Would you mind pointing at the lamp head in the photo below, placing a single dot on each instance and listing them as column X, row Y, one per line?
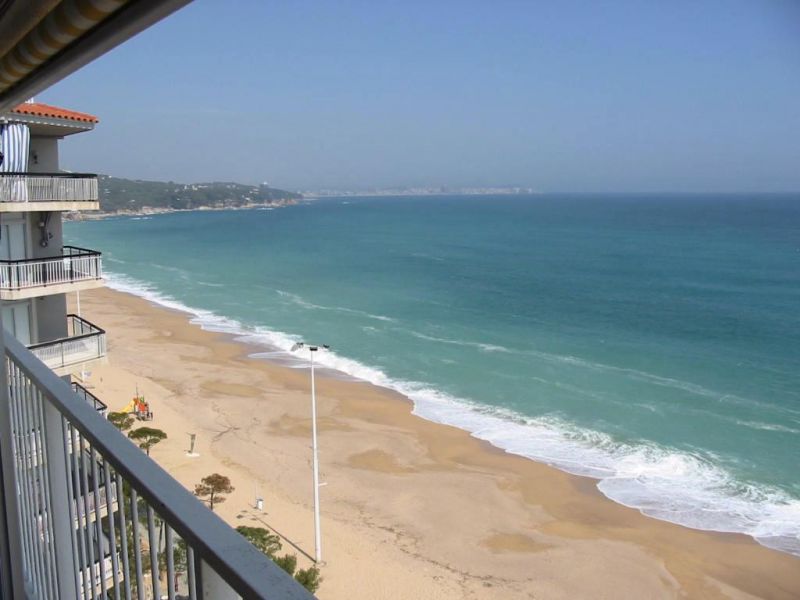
column 312, row 347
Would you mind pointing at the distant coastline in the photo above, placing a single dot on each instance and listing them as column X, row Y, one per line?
column 136, row 197
column 422, row 191
column 121, row 197
column 147, row 211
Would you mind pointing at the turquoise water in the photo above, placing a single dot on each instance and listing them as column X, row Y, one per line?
column 651, row 342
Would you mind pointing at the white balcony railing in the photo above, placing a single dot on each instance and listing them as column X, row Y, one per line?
column 48, row 187
column 87, row 508
column 49, row 550
column 84, row 342
column 73, row 265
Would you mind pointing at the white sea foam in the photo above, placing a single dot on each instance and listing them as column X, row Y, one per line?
column 652, row 378
column 663, row 483
column 300, row 301
column 479, row 345
column 767, row 426
column 182, row 273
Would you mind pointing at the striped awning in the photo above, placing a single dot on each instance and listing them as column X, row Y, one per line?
column 15, row 142
column 43, row 41
column 67, row 22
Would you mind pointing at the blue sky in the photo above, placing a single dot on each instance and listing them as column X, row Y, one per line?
column 597, row 96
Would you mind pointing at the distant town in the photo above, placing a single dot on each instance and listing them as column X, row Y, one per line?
column 421, row 191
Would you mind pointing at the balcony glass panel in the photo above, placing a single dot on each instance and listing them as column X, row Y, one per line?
column 84, row 342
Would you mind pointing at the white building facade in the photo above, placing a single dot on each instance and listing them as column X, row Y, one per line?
column 36, row 270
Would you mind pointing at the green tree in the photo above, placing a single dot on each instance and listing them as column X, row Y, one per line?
column 287, row 562
column 261, row 538
column 147, row 437
column 120, row 420
column 213, row 486
column 309, row 578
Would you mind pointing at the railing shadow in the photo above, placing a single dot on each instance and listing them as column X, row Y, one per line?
column 258, row 516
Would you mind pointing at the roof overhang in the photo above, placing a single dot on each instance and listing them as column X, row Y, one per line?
column 48, row 120
column 43, row 41
column 47, row 126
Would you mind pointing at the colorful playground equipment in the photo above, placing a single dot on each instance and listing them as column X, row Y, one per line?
column 139, row 407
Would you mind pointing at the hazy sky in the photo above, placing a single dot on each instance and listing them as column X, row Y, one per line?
column 638, row 95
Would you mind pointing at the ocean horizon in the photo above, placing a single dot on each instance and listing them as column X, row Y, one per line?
column 651, row 342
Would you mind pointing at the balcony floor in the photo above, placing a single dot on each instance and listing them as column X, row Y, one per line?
column 49, row 290
column 49, row 206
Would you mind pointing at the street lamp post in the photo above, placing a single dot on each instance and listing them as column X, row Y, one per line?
column 314, row 448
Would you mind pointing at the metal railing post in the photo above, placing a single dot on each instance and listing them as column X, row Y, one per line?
column 61, row 519
column 12, row 578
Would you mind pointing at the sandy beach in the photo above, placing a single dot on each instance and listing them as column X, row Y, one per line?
column 411, row 509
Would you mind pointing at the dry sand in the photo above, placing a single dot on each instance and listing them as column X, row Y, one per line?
column 411, row 509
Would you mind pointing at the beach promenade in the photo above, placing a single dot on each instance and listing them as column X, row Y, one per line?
column 411, row 509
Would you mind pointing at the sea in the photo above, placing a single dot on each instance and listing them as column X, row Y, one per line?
column 650, row 342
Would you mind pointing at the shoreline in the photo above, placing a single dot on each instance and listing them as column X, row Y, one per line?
column 426, row 401
column 547, row 515
column 151, row 211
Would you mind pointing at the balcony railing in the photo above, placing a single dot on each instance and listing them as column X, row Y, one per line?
column 90, row 398
column 48, row 187
column 49, row 550
column 72, row 266
column 84, row 342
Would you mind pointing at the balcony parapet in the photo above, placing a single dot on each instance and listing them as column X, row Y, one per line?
column 74, row 269
column 48, row 191
column 85, row 342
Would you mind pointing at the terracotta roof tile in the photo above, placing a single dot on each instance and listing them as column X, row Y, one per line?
column 38, row 109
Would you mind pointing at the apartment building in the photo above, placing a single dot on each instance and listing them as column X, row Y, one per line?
column 37, row 270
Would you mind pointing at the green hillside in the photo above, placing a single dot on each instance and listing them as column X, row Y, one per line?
column 134, row 195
